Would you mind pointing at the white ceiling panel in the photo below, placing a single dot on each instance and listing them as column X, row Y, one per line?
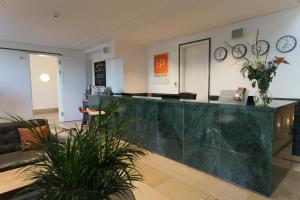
column 82, row 24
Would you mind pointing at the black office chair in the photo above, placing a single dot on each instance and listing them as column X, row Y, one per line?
column 187, row 95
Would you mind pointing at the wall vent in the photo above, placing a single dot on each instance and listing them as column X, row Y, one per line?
column 237, row 33
column 106, row 50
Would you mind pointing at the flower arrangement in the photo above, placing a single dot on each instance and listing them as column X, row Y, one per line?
column 261, row 72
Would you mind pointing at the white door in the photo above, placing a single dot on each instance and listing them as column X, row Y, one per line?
column 195, row 69
column 73, row 79
column 15, row 88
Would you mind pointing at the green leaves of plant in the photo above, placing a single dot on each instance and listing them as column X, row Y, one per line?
column 89, row 164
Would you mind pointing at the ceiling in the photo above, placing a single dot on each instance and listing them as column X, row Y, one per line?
column 82, row 24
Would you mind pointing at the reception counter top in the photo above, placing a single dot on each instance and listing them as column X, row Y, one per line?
column 273, row 106
column 239, row 144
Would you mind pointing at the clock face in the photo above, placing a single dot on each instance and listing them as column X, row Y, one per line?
column 260, row 48
column 286, row 44
column 220, row 53
column 239, row 51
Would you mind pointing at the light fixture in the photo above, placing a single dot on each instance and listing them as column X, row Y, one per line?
column 43, row 55
column 44, row 77
column 55, row 15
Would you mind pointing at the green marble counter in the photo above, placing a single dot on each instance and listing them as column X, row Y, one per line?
column 239, row 144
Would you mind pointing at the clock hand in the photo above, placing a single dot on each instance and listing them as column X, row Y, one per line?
column 284, row 47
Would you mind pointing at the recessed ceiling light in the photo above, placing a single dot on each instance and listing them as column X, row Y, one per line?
column 45, row 77
column 55, row 15
column 43, row 55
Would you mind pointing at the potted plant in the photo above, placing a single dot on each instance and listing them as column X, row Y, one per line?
column 260, row 73
column 88, row 164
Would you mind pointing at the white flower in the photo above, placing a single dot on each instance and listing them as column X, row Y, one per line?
column 258, row 64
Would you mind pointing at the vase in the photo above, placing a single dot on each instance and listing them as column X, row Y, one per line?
column 262, row 99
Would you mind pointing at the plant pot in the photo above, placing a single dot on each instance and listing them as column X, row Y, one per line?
column 129, row 196
column 34, row 194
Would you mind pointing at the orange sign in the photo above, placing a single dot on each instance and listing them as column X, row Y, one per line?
column 161, row 64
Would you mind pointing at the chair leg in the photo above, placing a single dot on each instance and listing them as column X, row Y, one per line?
column 92, row 120
column 82, row 122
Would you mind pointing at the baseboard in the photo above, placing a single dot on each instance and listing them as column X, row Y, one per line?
column 45, row 111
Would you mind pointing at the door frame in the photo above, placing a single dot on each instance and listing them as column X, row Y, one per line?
column 209, row 61
column 58, row 80
column 60, row 90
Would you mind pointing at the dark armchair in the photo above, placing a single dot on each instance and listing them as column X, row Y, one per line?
column 11, row 156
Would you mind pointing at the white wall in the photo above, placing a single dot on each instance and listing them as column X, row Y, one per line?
column 44, row 94
column 126, row 66
column 15, row 91
column 114, row 66
column 226, row 75
column 18, row 100
column 114, row 74
column 135, row 66
column 96, row 55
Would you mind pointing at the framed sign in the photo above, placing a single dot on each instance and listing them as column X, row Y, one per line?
column 229, row 97
column 161, row 67
column 100, row 73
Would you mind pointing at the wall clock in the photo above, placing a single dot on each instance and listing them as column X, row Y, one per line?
column 260, row 48
column 286, row 44
column 239, row 51
column 220, row 53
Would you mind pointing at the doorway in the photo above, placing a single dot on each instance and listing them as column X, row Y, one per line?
column 44, row 74
column 194, row 68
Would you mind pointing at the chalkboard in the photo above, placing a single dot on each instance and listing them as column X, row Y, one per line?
column 100, row 73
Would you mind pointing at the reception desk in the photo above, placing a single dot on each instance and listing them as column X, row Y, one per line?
column 246, row 145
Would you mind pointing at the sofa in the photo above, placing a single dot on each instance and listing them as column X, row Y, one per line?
column 11, row 156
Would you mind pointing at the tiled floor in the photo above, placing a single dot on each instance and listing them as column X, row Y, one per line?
column 168, row 180
column 174, row 181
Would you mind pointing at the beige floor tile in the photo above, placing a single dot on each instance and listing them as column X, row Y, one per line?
column 222, row 190
column 11, row 180
column 172, row 169
column 289, row 186
column 157, row 162
column 211, row 198
column 145, row 192
column 296, row 158
column 281, row 163
column 184, row 173
column 154, row 177
column 142, row 166
column 177, row 190
column 280, row 194
column 296, row 167
column 293, row 175
column 257, row 197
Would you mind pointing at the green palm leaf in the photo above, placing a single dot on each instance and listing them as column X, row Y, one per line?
column 88, row 164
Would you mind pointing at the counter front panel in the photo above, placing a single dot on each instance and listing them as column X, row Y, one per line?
column 234, row 143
